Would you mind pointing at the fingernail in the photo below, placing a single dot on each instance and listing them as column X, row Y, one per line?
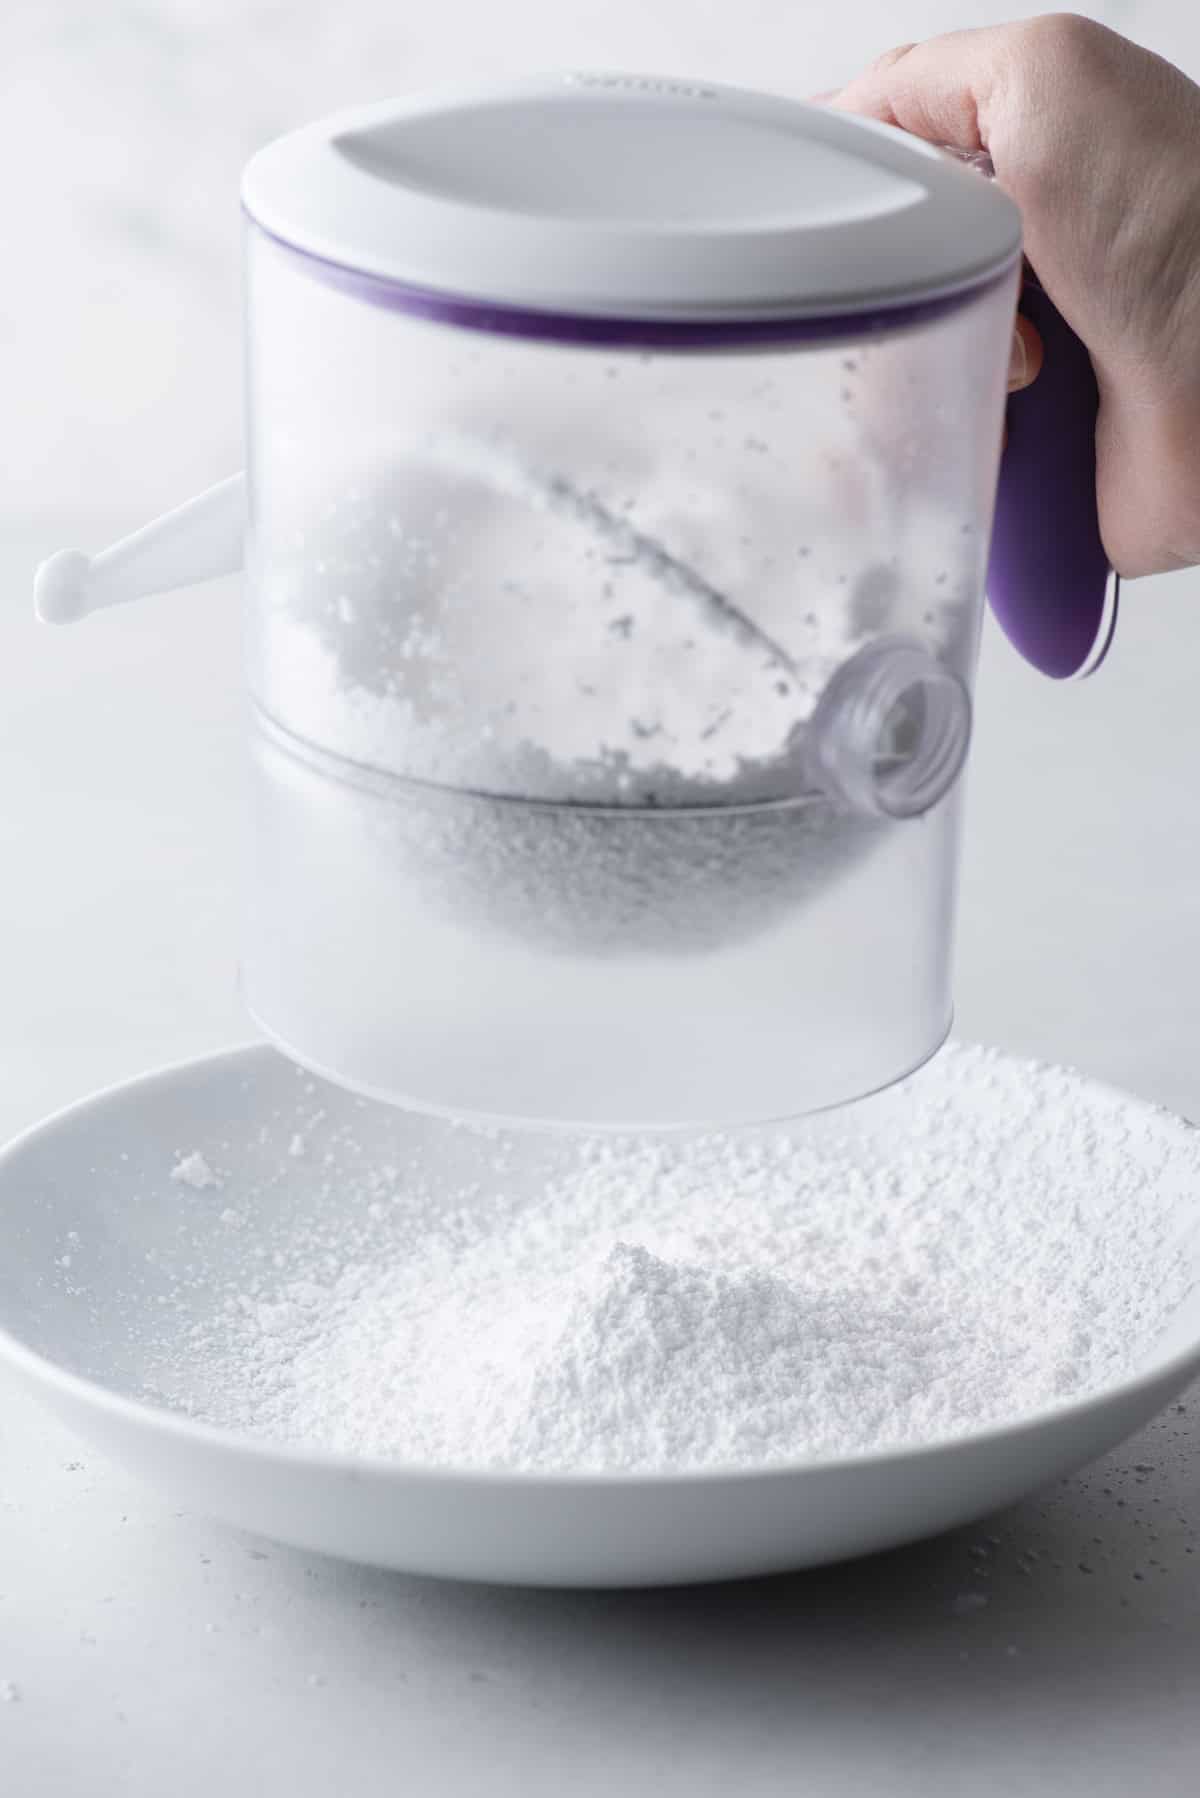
column 1018, row 362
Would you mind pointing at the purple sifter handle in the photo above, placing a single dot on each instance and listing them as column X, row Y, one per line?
column 1049, row 580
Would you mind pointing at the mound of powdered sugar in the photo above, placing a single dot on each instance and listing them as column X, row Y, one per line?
column 987, row 1239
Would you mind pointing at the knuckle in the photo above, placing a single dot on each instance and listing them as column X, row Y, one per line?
column 889, row 59
column 1047, row 70
column 1065, row 38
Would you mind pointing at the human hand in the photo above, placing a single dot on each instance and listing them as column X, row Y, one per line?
column 1098, row 142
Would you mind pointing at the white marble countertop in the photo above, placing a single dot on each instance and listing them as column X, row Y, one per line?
column 152, row 1651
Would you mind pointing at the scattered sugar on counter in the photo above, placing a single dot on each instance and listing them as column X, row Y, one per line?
column 737, row 1300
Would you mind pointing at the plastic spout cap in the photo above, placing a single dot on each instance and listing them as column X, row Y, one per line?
column 890, row 734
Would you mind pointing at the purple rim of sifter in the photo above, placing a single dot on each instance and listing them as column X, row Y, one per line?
column 502, row 320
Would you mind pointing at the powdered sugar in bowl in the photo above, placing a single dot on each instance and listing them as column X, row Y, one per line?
column 517, row 1356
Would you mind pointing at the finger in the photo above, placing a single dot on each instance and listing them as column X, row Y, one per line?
column 1026, row 355
column 940, row 90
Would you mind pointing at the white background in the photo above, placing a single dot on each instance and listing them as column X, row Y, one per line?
column 155, row 1652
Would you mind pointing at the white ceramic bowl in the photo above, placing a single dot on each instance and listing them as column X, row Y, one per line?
column 91, row 1185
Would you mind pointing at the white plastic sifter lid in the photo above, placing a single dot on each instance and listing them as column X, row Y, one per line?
column 617, row 196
